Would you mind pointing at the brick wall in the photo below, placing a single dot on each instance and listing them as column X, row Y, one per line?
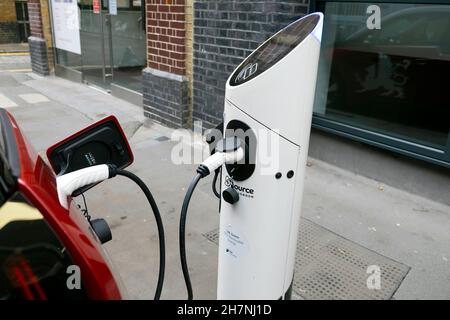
column 38, row 54
column 166, row 35
column 47, row 31
column 7, row 11
column 225, row 32
column 9, row 30
column 38, row 45
column 165, row 98
column 165, row 85
column 190, row 55
column 34, row 14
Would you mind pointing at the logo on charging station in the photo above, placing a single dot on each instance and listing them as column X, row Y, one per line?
column 243, row 191
column 247, row 72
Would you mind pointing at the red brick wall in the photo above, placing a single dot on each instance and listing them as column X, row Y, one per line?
column 166, row 33
column 34, row 13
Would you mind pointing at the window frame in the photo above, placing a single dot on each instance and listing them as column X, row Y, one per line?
column 411, row 147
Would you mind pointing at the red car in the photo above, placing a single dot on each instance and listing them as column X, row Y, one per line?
column 46, row 252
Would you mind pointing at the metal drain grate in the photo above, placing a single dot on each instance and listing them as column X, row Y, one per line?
column 329, row 266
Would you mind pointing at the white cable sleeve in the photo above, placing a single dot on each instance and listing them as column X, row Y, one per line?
column 68, row 183
column 219, row 158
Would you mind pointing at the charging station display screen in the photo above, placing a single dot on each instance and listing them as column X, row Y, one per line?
column 274, row 49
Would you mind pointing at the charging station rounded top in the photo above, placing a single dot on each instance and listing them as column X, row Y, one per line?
column 276, row 84
column 274, row 49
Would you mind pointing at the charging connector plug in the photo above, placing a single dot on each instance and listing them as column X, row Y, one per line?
column 68, row 183
column 228, row 150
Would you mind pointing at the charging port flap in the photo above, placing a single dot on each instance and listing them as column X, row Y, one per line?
column 103, row 142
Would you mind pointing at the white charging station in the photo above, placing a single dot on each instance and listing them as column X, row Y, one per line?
column 271, row 93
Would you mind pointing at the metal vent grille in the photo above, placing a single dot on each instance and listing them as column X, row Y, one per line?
column 328, row 266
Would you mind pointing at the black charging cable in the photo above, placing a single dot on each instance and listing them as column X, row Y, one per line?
column 201, row 173
column 214, row 183
column 85, row 210
column 229, row 150
column 162, row 247
column 182, row 234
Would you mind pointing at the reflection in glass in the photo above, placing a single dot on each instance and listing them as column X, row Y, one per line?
column 33, row 262
column 113, row 46
column 129, row 48
column 393, row 80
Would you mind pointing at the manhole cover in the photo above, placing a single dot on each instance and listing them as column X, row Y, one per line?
column 328, row 266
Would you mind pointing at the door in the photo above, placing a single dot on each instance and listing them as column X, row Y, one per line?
column 113, row 42
column 95, row 38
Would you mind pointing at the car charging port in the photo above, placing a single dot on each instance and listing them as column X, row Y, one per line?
column 247, row 139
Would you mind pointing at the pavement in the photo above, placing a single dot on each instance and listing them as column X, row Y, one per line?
column 407, row 228
column 15, row 57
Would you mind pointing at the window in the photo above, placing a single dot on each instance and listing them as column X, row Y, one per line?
column 387, row 86
column 23, row 22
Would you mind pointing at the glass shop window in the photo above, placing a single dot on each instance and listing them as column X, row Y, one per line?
column 388, row 75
